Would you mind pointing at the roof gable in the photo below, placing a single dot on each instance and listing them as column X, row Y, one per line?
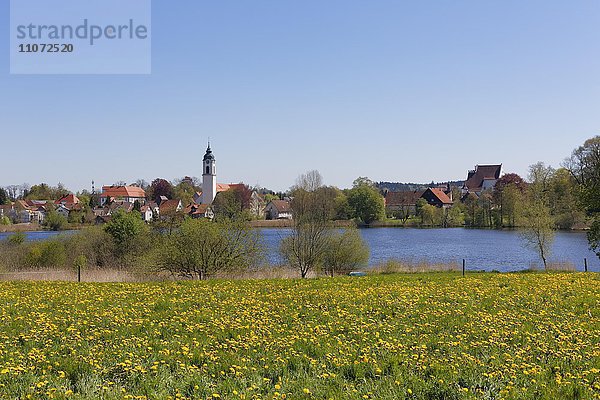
column 281, row 205
column 476, row 177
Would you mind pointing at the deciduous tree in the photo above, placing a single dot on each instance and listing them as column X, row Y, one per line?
column 200, row 248
column 3, row 197
column 127, row 231
column 584, row 166
column 346, row 251
column 367, row 203
column 160, row 187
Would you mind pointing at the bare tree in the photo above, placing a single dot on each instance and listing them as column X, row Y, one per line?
column 305, row 248
column 309, row 181
column 13, row 192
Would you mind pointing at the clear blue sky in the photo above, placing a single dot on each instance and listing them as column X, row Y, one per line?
column 393, row 90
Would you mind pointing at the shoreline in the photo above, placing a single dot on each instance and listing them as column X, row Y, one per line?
column 274, row 224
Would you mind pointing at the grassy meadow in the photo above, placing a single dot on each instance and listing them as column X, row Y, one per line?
column 413, row 336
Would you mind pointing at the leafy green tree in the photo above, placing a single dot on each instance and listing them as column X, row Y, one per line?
column 512, row 204
column 367, row 203
column 44, row 191
column 201, row 249
column 342, row 209
column 233, row 203
column 127, row 230
column 593, row 236
column 539, row 228
column 563, row 200
column 184, row 191
column 428, row 214
column 505, row 204
column 363, row 181
column 3, row 197
column 345, row 251
column 584, row 166
column 472, row 210
column 537, row 217
column 4, row 220
column 55, row 221
column 226, row 205
column 137, row 206
column 454, row 216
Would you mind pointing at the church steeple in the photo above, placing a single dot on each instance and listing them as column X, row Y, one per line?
column 209, row 177
column 208, row 155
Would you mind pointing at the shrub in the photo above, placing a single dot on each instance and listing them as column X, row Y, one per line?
column 201, row 248
column 16, row 238
column 94, row 244
column 46, row 254
column 345, row 251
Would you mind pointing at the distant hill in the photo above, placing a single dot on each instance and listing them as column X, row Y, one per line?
column 409, row 187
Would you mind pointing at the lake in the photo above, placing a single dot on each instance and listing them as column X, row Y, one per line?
column 483, row 249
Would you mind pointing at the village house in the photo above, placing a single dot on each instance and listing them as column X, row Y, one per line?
column 482, row 178
column 147, row 213
column 199, row 211
column 278, row 209
column 169, row 207
column 69, row 201
column 62, row 210
column 437, row 197
column 406, row 202
column 257, row 205
column 129, row 194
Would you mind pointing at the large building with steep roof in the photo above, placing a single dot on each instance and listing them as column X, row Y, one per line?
column 124, row 193
column 482, row 178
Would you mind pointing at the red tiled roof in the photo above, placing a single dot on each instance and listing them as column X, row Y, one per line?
column 223, row 187
column 196, row 209
column 169, row 206
column 123, row 191
column 443, row 197
column 68, row 199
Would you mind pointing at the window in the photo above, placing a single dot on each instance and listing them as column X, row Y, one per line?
column 207, row 170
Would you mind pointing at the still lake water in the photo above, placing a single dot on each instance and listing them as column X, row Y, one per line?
column 483, row 249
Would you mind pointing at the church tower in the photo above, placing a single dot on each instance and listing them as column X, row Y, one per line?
column 209, row 177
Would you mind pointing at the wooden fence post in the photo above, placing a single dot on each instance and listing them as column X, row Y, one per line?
column 585, row 264
column 464, row 264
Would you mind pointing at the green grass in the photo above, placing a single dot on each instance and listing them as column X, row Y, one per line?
column 420, row 336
